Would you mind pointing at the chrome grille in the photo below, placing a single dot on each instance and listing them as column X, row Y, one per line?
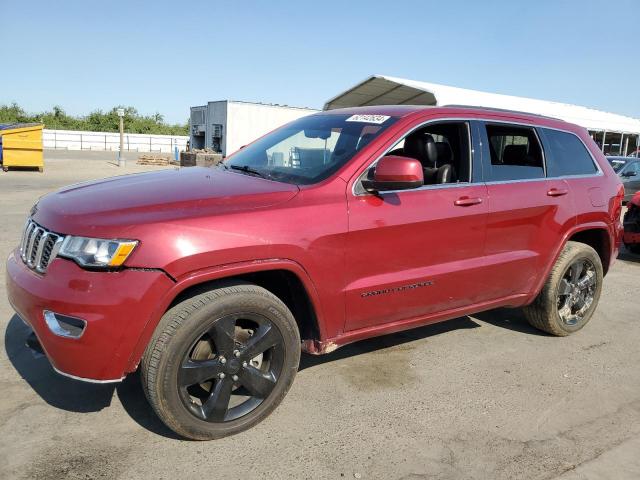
column 38, row 246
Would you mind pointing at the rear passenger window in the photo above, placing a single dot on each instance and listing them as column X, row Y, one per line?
column 515, row 153
column 568, row 155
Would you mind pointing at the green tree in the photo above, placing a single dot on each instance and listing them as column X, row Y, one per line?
column 13, row 113
column 97, row 120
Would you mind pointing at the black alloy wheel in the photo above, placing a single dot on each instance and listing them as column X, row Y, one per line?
column 231, row 368
column 220, row 361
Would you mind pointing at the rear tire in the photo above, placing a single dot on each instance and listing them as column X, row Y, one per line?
column 570, row 295
column 221, row 361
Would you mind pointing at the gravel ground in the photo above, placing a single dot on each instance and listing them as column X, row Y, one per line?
column 477, row 397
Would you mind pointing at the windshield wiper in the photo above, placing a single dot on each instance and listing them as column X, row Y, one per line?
column 249, row 170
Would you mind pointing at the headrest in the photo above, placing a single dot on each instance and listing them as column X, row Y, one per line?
column 445, row 154
column 514, row 155
column 422, row 148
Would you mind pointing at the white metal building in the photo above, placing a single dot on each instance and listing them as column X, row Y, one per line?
column 616, row 134
column 226, row 125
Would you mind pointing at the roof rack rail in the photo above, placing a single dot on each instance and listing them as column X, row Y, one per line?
column 506, row 110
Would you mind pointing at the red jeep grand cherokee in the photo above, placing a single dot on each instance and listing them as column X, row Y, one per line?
column 337, row 227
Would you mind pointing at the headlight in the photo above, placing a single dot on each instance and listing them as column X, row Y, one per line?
column 96, row 252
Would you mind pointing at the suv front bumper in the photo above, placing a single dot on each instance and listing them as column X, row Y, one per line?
column 115, row 307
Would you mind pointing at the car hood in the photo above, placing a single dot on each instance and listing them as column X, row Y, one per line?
column 104, row 207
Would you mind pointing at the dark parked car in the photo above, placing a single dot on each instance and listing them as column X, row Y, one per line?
column 379, row 219
column 628, row 169
column 632, row 224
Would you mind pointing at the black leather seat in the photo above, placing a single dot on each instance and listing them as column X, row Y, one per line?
column 436, row 157
column 423, row 148
column 445, row 154
column 515, row 155
column 446, row 172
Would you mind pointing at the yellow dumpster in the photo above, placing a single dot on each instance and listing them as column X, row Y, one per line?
column 21, row 145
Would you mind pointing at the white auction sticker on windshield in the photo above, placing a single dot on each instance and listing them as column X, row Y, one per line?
column 368, row 118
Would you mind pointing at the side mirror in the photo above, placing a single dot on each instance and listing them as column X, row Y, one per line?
column 394, row 172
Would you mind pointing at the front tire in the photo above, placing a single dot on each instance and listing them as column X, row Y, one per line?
column 571, row 293
column 221, row 361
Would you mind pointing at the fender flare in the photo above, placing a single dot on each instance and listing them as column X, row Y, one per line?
column 598, row 225
column 218, row 273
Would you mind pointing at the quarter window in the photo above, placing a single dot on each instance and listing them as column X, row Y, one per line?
column 515, row 153
column 568, row 155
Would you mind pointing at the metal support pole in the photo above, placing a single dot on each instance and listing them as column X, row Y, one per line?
column 120, row 157
column 604, row 136
column 620, row 144
column 121, row 161
column 626, row 146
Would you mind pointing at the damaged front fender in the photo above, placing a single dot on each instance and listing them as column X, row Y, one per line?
column 317, row 347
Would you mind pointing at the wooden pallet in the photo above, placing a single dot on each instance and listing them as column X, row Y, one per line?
column 159, row 160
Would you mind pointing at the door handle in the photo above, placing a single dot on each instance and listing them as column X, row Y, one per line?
column 557, row 192
column 467, row 201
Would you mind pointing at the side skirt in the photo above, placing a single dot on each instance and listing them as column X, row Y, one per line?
column 321, row 347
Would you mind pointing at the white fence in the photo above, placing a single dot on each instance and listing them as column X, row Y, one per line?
column 136, row 142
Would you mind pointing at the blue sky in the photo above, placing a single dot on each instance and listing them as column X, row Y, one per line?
column 166, row 56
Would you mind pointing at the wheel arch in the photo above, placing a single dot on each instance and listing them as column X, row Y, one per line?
column 599, row 240
column 284, row 278
column 595, row 234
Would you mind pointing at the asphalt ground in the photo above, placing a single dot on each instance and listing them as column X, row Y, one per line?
column 483, row 397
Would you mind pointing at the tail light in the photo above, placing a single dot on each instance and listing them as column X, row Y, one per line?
column 617, row 204
column 617, row 214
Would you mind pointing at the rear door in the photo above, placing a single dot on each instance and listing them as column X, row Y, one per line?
column 416, row 252
column 528, row 212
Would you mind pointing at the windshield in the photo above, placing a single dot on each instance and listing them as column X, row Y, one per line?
column 617, row 164
column 310, row 149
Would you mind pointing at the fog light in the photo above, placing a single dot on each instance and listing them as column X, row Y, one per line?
column 63, row 325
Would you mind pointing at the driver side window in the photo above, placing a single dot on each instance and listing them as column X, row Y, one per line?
column 443, row 149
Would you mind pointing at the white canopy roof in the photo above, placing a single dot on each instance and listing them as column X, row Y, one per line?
column 384, row 90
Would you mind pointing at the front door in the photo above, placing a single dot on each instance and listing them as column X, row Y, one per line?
column 416, row 252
